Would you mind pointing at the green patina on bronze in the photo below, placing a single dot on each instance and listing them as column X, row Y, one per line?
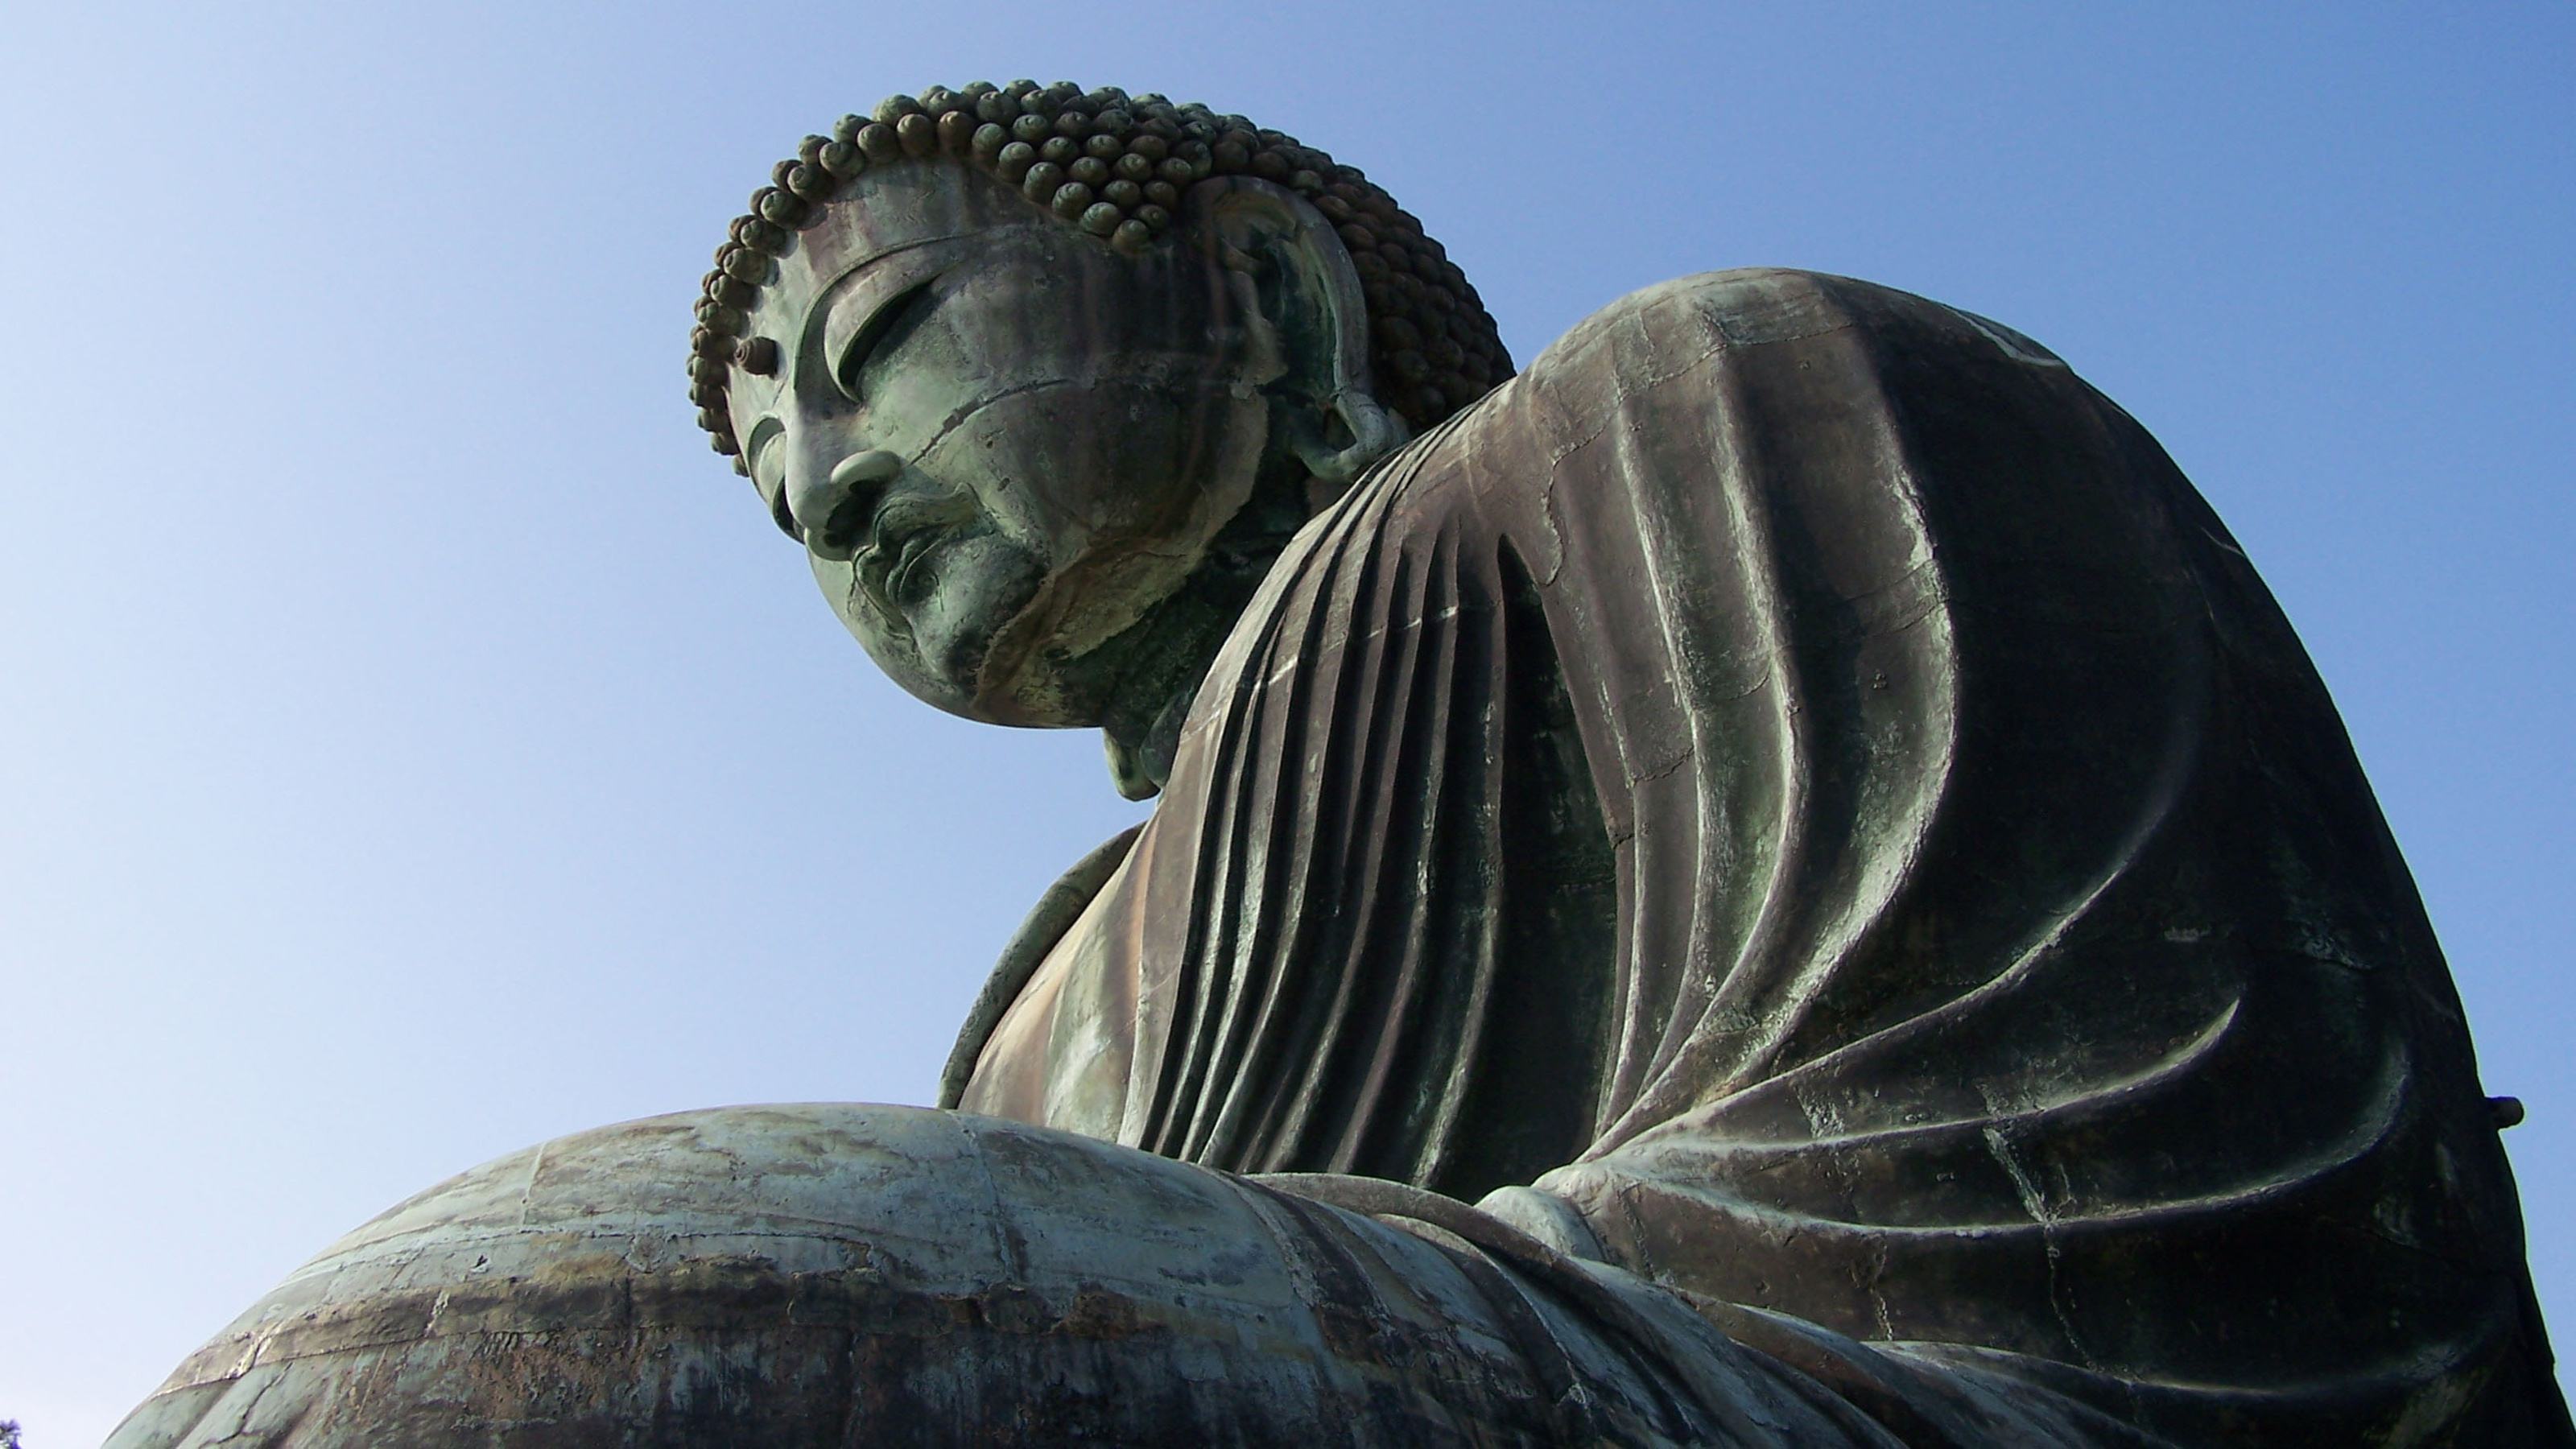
column 1775, row 879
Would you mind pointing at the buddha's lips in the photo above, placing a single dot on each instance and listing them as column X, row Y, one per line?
column 913, row 550
column 905, row 530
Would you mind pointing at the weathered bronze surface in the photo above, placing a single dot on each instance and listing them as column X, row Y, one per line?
column 1777, row 879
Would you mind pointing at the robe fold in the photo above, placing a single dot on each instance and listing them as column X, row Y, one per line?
column 1802, row 780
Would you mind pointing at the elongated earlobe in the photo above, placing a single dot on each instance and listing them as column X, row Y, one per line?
column 1290, row 269
column 1374, row 432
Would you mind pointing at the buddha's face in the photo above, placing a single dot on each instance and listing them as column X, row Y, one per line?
column 1002, row 440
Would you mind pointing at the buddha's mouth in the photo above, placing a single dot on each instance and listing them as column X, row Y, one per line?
column 895, row 566
column 899, row 574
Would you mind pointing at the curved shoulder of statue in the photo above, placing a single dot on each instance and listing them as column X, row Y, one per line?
column 1750, row 306
column 1743, row 307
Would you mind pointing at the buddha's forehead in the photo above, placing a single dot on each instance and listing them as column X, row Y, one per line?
column 892, row 212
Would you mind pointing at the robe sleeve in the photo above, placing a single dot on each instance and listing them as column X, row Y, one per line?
column 2014, row 962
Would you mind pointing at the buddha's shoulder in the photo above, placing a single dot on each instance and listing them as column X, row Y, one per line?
column 1709, row 312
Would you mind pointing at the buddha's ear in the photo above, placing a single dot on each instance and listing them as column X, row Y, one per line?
column 1292, row 280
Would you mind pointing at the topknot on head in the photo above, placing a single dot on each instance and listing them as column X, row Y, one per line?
column 1114, row 166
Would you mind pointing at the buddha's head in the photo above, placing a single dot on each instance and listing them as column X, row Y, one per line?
column 1042, row 380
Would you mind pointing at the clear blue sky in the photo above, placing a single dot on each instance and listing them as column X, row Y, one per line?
column 414, row 743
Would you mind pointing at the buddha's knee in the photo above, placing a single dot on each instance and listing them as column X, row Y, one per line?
column 860, row 1275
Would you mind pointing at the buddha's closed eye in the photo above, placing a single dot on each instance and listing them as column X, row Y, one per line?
column 883, row 332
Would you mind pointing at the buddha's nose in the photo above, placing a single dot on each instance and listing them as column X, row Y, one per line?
column 834, row 511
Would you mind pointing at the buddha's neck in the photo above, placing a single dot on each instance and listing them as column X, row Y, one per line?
column 1154, row 668
column 1160, row 662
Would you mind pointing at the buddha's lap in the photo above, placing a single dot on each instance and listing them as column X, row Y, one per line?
column 847, row 1274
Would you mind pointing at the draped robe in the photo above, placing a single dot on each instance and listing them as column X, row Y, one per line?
column 1801, row 781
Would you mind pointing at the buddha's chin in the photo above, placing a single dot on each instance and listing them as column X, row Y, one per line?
column 942, row 665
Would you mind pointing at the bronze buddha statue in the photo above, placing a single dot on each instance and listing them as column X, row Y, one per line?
column 1773, row 878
